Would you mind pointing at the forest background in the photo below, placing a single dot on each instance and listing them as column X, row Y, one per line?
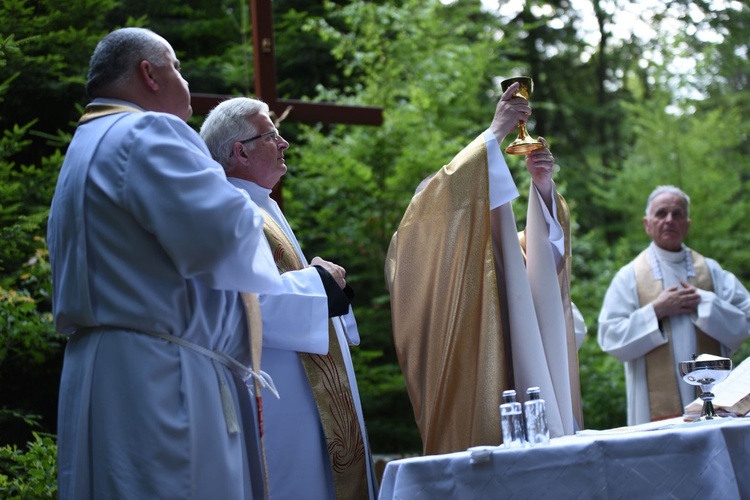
column 629, row 94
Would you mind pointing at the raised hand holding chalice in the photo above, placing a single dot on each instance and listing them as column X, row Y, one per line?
column 524, row 144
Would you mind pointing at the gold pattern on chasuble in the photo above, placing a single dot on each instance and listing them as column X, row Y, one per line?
column 661, row 377
column 449, row 344
column 330, row 386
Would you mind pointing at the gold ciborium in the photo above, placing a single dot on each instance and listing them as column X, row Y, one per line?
column 525, row 143
column 705, row 371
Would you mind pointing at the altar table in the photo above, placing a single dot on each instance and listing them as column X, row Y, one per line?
column 668, row 460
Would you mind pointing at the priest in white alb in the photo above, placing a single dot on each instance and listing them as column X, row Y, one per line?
column 666, row 305
column 315, row 437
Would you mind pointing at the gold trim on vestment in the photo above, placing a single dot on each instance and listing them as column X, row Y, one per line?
column 331, row 388
column 98, row 110
column 255, row 333
column 661, row 377
column 564, row 276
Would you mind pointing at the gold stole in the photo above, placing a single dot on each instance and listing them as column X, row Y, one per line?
column 94, row 111
column 330, row 386
column 661, row 378
column 563, row 215
column 255, row 332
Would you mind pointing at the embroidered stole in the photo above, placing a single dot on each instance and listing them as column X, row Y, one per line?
column 661, row 377
column 330, row 385
column 255, row 332
column 94, row 111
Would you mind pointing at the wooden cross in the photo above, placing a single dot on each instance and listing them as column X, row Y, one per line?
column 265, row 86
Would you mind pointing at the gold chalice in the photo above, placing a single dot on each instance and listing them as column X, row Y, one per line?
column 705, row 371
column 524, row 144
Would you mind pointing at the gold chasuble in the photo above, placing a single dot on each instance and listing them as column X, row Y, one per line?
column 661, row 375
column 470, row 319
column 331, row 389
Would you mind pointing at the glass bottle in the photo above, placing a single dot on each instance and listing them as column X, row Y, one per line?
column 511, row 420
column 535, row 411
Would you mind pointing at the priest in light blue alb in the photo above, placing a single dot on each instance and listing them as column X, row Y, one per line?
column 150, row 249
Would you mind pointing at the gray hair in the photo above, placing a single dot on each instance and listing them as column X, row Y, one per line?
column 228, row 123
column 117, row 56
column 671, row 190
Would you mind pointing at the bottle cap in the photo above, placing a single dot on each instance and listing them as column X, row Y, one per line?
column 533, row 392
column 509, row 396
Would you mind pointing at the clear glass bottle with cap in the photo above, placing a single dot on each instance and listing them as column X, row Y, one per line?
column 511, row 420
column 535, row 411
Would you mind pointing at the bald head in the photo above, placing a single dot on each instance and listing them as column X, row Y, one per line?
column 116, row 58
column 139, row 66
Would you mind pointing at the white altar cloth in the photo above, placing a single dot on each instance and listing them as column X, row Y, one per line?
column 684, row 460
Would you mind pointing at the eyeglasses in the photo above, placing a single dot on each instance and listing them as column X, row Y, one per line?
column 273, row 134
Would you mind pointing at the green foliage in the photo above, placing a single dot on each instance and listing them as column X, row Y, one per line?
column 40, row 54
column 302, row 51
column 602, row 387
column 602, row 376
column 383, row 390
column 29, row 474
column 52, row 42
column 211, row 38
column 26, row 329
column 25, row 191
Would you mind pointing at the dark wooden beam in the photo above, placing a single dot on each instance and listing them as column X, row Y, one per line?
column 264, row 49
column 302, row 111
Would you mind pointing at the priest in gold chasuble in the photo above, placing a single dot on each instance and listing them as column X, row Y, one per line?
column 478, row 308
column 315, row 436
